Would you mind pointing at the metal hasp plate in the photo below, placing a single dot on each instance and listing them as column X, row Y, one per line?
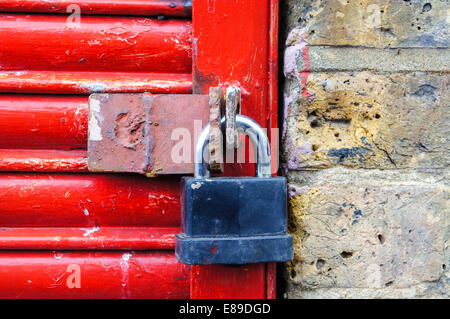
column 138, row 133
column 233, row 220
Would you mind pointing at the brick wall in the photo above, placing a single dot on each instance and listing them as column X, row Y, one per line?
column 366, row 147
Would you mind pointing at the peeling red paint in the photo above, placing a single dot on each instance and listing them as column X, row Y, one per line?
column 180, row 8
column 43, row 122
column 60, row 200
column 112, row 44
column 96, row 238
column 75, row 82
column 28, row 160
column 44, row 274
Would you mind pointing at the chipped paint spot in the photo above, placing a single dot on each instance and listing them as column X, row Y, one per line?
column 57, row 255
column 196, row 185
column 126, row 257
column 89, row 231
column 124, row 264
column 97, row 88
column 95, row 132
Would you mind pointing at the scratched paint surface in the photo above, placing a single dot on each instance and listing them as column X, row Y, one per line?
column 80, row 200
column 87, row 238
column 37, row 122
column 181, row 8
column 99, row 44
column 92, row 275
column 86, row 82
column 44, row 160
column 91, row 213
column 105, row 54
column 119, row 228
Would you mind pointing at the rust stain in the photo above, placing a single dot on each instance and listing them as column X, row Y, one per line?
column 129, row 129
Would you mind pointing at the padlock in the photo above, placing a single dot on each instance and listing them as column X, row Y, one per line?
column 234, row 220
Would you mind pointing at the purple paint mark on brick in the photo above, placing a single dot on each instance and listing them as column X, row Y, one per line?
column 296, row 46
column 296, row 159
column 294, row 190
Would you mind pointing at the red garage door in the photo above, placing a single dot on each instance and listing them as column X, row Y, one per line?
column 68, row 233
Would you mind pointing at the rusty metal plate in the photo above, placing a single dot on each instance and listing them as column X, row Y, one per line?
column 233, row 107
column 145, row 133
column 216, row 111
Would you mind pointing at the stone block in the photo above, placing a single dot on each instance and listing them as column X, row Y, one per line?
column 368, row 230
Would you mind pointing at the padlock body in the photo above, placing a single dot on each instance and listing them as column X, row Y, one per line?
column 233, row 220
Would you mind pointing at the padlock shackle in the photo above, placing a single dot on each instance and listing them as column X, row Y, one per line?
column 256, row 135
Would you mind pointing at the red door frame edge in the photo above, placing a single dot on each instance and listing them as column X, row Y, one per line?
column 236, row 43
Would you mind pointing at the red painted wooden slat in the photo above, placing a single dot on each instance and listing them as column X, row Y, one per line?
column 92, row 238
column 43, row 122
column 35, row 274
column 179, row 8
column 72, row 200
column 20, row 160
column 40, row 212
column 113, row 44
column 71, row 82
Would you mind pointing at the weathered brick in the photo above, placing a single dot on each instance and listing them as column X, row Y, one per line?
column 372, row 23
column 329, row 59
column 357, row 231
column 367, row 120
column 366, row 88
column 434, row 290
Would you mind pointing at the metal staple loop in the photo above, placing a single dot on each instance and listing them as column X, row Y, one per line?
column 256, row 135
